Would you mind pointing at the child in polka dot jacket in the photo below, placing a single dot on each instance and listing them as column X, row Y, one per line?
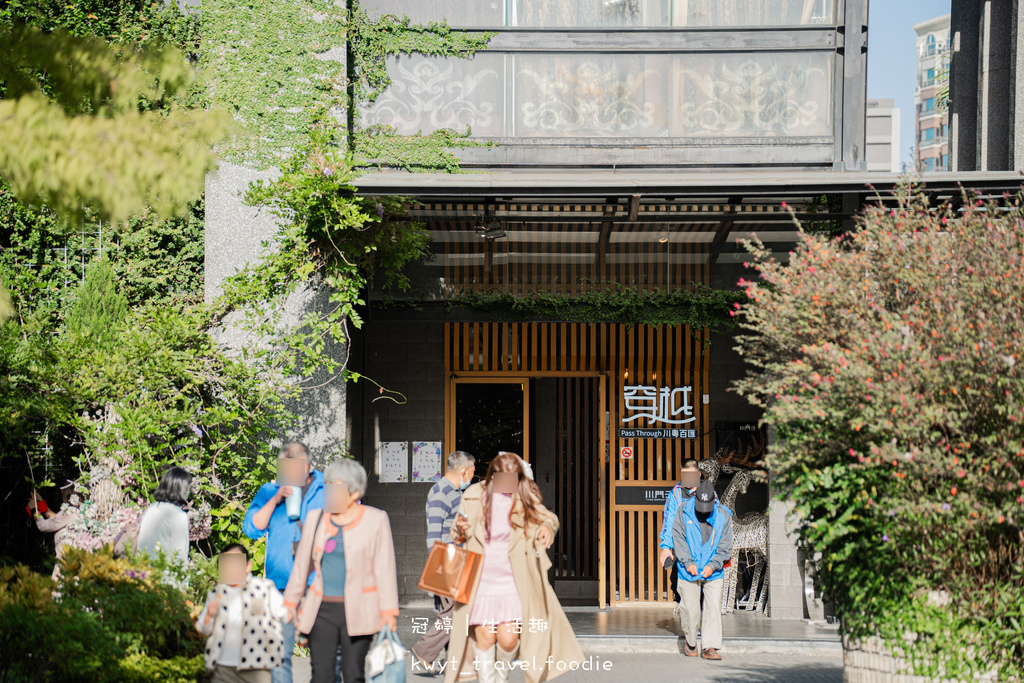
column 242, row 621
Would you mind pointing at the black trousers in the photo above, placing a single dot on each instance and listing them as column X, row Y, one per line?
column 328, row 632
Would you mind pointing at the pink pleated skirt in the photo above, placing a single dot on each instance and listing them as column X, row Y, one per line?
column 496, row 600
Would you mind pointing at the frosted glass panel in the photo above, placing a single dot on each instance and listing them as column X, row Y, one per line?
column 591, row 13
column 609, row 13
column 707, row 13
column 608, row 95
column 589, row 96
column 430, row 93
column 772, row 94
column 472, row 13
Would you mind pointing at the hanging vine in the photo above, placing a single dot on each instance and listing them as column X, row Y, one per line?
column 699, row 307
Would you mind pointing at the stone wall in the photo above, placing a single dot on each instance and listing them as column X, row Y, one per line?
column 234, row 235
column 869, row 661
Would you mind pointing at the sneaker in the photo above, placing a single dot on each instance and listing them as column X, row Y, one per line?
column 687, row 650
column 712, row 654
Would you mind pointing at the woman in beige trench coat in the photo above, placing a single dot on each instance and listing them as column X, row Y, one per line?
column 546, row 645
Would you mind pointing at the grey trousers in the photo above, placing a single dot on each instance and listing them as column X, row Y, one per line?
column 229, row 674
column 691, row 618
column 430, row 645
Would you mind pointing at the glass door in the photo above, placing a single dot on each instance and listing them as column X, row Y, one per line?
column 490, row 415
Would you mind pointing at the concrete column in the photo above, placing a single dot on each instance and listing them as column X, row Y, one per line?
column 784, row 569
column 235, row 234
column 965, row 33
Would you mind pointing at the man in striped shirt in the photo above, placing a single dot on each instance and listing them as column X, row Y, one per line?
column 442, row 504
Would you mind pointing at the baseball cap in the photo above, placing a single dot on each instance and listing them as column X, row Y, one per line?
column 704, row 498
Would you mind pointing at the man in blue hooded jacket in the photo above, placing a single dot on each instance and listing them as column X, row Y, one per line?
column 268, row 515
column 702, row 537
column 682, row 491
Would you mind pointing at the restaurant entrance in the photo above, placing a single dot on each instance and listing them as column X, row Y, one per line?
column 585, row 404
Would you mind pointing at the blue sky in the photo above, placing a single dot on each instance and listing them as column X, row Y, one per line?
column 892, row 59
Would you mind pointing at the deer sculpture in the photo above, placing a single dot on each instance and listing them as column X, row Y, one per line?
column 750, row 531
column 749, row 541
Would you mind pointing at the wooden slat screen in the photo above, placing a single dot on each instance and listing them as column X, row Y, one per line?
column 577, row 425
column 654, row 356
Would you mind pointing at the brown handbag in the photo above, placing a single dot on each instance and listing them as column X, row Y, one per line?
column 451, row 572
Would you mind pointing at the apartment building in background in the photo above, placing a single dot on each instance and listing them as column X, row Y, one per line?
column 931, row 148
column 882, row 140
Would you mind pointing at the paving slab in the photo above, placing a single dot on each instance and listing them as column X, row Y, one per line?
column 662, row 668
column 646, row 641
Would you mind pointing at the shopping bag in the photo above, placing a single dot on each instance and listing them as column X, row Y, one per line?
column 451, row 572
column 385, row 662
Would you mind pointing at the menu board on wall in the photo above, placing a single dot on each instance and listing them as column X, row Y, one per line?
column 426, row 460
column 394, row 461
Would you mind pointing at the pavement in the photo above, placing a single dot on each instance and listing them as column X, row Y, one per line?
column 643, row 643
column 662, row 668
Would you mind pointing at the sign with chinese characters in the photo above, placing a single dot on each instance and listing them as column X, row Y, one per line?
column 426, row 460
column 657, row 412
column 642, row 495
column 394, row 461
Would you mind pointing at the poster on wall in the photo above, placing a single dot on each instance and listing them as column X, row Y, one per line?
column 426, row 460
column 394, row 461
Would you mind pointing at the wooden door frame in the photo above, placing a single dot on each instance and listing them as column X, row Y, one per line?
column 484, row 378
column 603, row 438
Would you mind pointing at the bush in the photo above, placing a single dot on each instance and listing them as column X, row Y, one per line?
column 110, row 620
column 890, row 364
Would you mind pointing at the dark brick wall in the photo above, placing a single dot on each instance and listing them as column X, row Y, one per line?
column 408, row 358
column 726, row 366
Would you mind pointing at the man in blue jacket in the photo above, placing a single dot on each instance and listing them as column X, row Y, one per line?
column 702, row 537
column 268, row 515
column 683, row 490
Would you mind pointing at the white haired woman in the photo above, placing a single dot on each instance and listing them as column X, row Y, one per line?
column 354, row 593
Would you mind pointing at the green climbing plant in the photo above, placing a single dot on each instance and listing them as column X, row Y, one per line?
column 699, row 307
column 330, row 238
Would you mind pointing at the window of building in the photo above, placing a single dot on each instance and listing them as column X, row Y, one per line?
column 601, row 95
column 929, row 104
column 928, row 134
column 945, row 162
column 610, row 13
column 945, row 130
column 929, row 164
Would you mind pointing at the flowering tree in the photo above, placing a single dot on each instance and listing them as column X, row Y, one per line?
column 890, row 362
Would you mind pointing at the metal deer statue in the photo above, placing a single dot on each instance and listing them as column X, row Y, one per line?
column 750, row 531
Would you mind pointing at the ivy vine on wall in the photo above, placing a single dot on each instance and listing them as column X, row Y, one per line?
column 282, row 69
column 699, row 307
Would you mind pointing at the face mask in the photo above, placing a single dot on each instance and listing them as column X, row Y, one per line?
column 465, row 485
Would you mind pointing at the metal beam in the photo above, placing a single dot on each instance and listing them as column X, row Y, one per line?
column 675, row 40
column 855, row 69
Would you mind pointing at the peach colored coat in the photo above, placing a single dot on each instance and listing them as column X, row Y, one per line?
column 371, row 582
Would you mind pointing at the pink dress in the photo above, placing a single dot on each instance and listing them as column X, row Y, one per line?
column 497, row 600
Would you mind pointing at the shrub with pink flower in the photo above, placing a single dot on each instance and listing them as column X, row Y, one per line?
column 889, row 360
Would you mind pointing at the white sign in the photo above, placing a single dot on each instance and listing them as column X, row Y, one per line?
column 394, row 461
column 658, row 405
column 426, row 460
column 626, row 452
